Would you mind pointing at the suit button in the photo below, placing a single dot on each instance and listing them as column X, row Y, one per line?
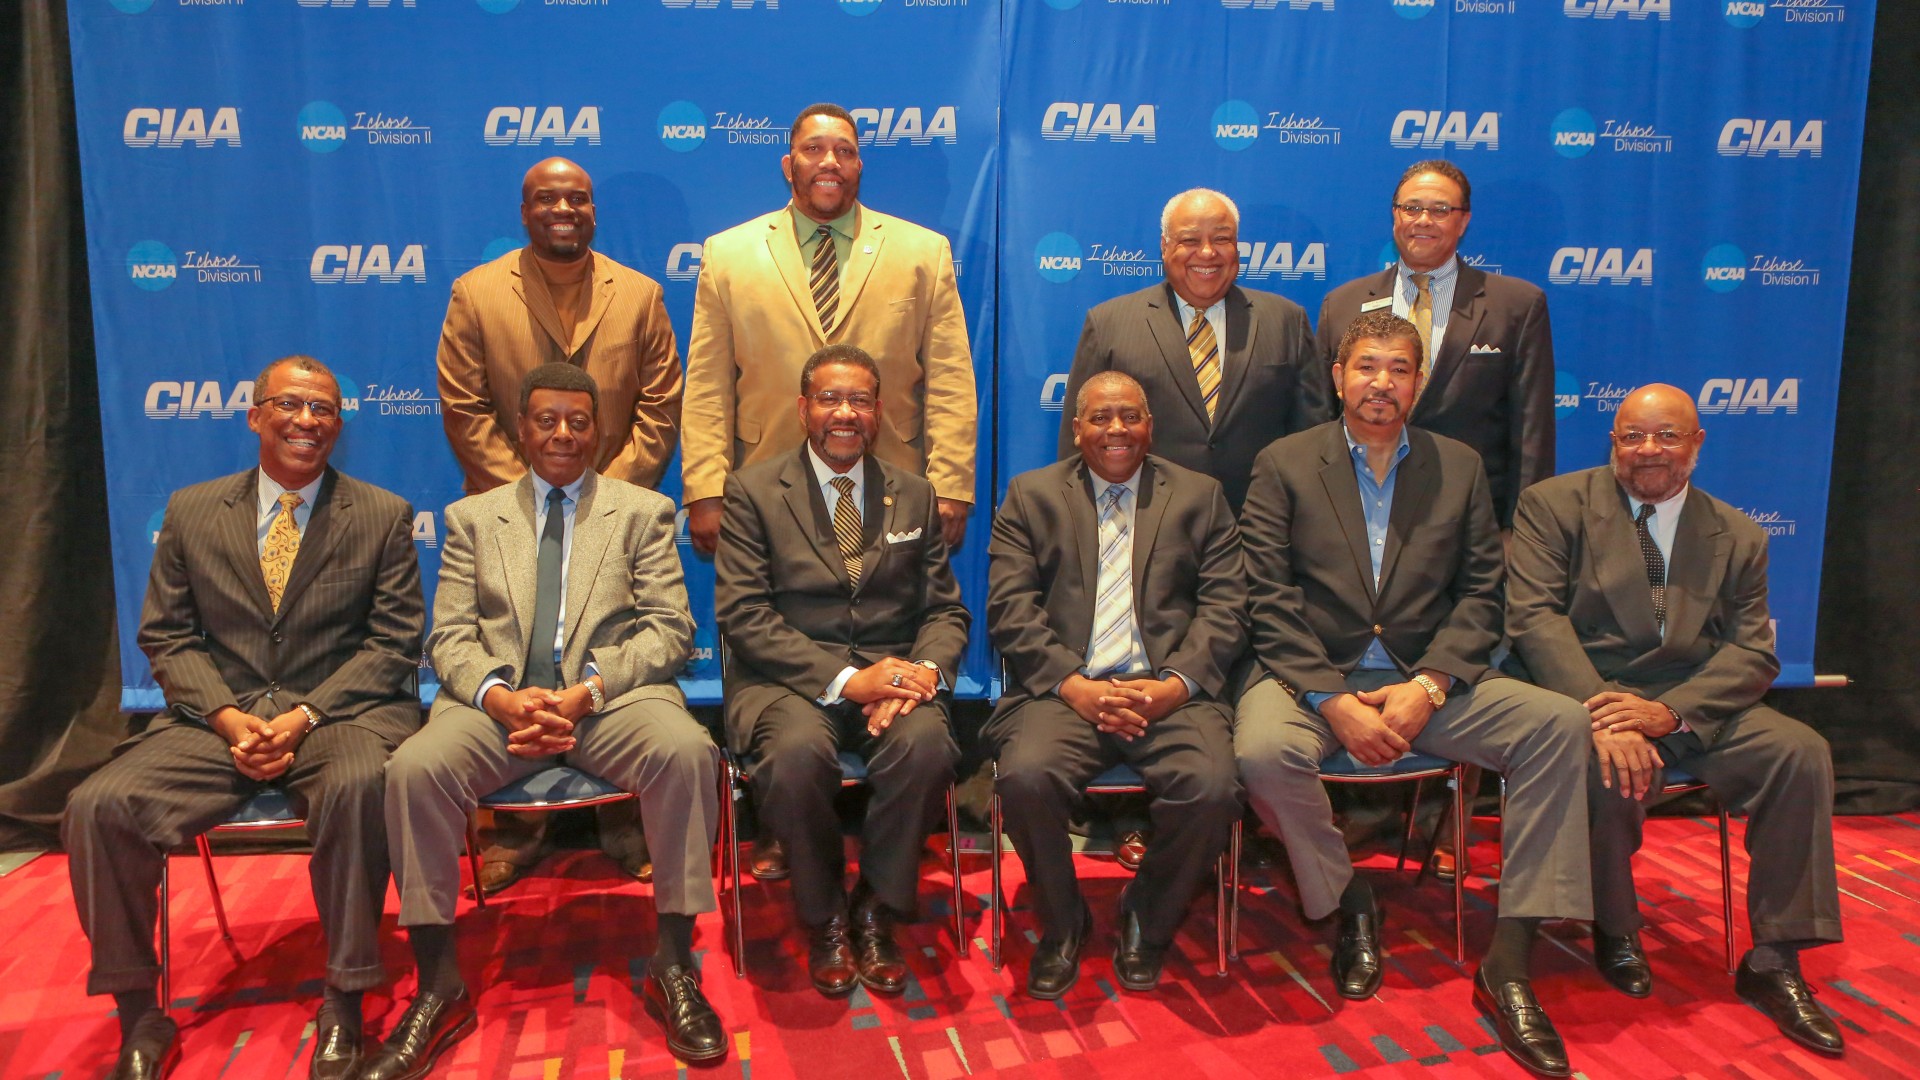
column 277, row 637
column 1377, row 630
column 273, row 688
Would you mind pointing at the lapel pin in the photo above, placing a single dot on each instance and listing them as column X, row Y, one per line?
column 868, row 250
column 886, row 500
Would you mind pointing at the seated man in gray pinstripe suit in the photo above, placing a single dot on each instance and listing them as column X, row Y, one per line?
column 559, row 625
column 283, row 621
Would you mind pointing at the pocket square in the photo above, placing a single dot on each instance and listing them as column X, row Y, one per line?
column 901, row 538
column 1485, row 350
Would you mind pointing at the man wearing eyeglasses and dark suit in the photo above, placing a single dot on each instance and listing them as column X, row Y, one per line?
column 1645, row 598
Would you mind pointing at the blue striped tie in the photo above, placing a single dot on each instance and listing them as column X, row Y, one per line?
column 1112, row 649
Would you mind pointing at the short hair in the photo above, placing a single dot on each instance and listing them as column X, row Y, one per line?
column 1381, row 323
column 1444, row 168
column 559, row 376
column 851, row 355
column 1104, row 379
column 820, row 108
column 299, row 362
column 1166, row 212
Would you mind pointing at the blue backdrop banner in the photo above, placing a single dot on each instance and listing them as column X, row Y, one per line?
column 263, row 177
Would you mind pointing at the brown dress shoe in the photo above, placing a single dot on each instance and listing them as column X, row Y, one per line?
column 830, row 961
column 875, row 953
column 495, row 876
column 769, row 861
column 1131, row 849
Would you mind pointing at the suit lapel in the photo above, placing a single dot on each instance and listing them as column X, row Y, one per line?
column 519, row 556
column 876, row 513
column 1463, row 324
column 1147, row 516
column 1343, row 492
column 531, row 288
column 329, row 522
column 1163, row 325
column 784, row 250
column 592, row 533
column 602, row 299
column 1697, row 565
column 1236, row 353
column 809, row 508
column 861, row 255
column 1086, row 526
column 1617, row 561
column 1413, row 489
column 239, row 535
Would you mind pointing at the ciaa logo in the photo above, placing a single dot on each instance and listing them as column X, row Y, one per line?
column 357, row 264
column 1270, row 5
column 191, row 400
column 1435, row 130
column 890, row 126
column 683, row 262
column 1086, row 121
column 1057, row 257
column 682, row 126
column 1601, row 266
column 426, row 531
column 1737, row 397
column 709, row 5
column 1053, row 393
column 1613, row 9
column 173, row 129
column 1260, row 260
column 530, row 125
column 336, row 3
column 1740, row 137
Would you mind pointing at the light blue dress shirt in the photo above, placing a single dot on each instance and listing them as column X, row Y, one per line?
column 1376, row 506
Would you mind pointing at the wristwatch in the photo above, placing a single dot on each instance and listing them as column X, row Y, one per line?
column 1436, row 697
column 313, row 716
column 599, row 699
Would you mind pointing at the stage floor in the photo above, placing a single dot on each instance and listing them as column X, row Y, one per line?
column 557, row 962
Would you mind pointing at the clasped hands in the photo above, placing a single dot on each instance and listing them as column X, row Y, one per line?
column 1377, row 726
column 1624, row 727
column 539, row 721
column 1120, row 706
column 889, row 689
column 261, row 749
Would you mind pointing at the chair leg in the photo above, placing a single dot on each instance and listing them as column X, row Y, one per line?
column 213, row 886
column 994, row 900
column 1406, row 838
column 1221, row 902
column 1461, row 838
column 473, row 858
column 1233, row 893
column 166, row 939
column 953, row 865
column 1726, row 886
column 732, row 819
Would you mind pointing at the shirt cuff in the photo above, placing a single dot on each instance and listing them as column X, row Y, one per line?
column 487, row 684
column 1193, row 688
column 1317, row 698
column 937, row 673
column 831, row 696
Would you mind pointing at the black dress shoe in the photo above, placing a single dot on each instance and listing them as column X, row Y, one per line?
column 149, row 1051
column 1622, row 962
column 1056, row 963
column 1357, row 965
column 429, row 1028
column 1788, row 1001
column 875, row 954
column 830, row 961
column 1521, row 1025
column 768, row 861
column 336, row 1049
column 674, row 999
column 1136, row 961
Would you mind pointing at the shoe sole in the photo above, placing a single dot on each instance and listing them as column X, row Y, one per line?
column 445, row 1043
column 684, row 1053
column 879, row 987
column 1791, row 1037
column 1483, row 1009
column 828, row 991
column 1138, row 987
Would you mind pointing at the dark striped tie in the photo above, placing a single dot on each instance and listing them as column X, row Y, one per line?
column 1656, row 566
column 846, row 527
column 1205, row 351
column 825, row 281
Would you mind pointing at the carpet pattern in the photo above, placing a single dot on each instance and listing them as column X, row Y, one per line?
column 558, row 959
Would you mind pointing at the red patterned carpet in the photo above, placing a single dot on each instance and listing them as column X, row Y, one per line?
column 559, row 960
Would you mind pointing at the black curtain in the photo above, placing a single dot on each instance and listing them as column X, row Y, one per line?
column 59, row 667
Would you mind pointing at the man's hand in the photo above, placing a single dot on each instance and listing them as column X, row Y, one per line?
column 1404, row 707
column 1618, row 711
column 535, row 727
column 1129, row 705
column 883, row 712
column 1363, row 731
column 261, row 749
column 953, row 520
column 891, row 677
column 576, row 701
column 1627, row 761
column 703, row 524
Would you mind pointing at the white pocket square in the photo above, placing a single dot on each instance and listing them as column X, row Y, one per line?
column 901, row 538
column 1485, row 350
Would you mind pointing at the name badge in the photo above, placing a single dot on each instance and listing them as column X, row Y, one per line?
column 1376, row 305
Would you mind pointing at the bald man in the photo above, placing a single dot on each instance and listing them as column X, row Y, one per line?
column 1646, row 598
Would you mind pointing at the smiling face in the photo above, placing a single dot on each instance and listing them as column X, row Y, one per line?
column 556, row 206
column 1650, row 472
column 294, row 445
column 558, row 435
column 1378, row 382
column 841, row 412
column 1113, row 429
column 1200, row 252
column 1424, row 243
column 823, row 167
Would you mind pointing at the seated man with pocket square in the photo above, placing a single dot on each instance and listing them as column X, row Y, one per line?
column 559, row 625
column 845, row 629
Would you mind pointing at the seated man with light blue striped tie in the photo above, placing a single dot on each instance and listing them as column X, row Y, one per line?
column 1117, row 595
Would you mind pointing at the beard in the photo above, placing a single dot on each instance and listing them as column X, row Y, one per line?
column 1655, row 482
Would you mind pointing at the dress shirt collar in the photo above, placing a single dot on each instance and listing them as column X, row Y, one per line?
column 805, row 228
column 1359, row 450
column 270, row 492
column 1445, row 273
column 1214, row 312
column 1666, row 517
column 823, row 475
column 1100, row 485
column 541, row 487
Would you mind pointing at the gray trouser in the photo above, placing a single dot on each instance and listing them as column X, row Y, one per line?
column 651, row 747
column 1538, row 740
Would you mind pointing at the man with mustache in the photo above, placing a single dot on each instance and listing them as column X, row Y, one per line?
column 1646, row 598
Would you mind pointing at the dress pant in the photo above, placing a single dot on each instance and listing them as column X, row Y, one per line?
column 1047, row 754
column 1776, row 770
column 1540, row 741
column 794, row 764
column 178, row 781
column 651, row 747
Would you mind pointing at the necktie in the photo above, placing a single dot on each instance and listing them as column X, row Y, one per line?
column 825, row 281
column 546, row 596
column 1656, row 566
column 1112, row 649
column 1423, row 322
column 283, row 543
column 846, row 527
column 1205, row 352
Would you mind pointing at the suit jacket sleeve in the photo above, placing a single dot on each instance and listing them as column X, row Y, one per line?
column 389, row 655
column 1531, row 395
column 459, row 654
column 1283, row 641
column 1217, row 637
column 170, row 625
column 486, row 455
column 656, row 404
column 755, row 630
column 706, row 451
column 1539, row 595
column 658, row 628
column 1466, row 638
column 1016, row 613
column 1090, row 357
column 942, row 637
column 1743, row 666
column 1313, row 398
column 951, row 408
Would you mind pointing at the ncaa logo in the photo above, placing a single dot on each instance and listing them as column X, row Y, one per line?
column 323, row 128
column 1573, row 133
column 497, row 247
column 1412, row 9
column 1724, row 269
column 1063, row 5
column 349, row 396
column 1235, row 125
column 151, row 265
column 497, row 7
column 1057, row 256
column 154, row 523
column 859, row 7
column 1566, row 393
column 683, row 127
column 1053, row 394
column 1744, row 13
column 683, row 262
column 132, row 7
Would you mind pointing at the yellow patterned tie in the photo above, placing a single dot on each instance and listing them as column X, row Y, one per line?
column 283, row 543
column 846, row 527
column 825, row 281
column 1423, row 322
column 1205, row 352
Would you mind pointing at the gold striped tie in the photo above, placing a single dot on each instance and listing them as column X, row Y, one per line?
column 283, row 543
column 825, row 281
column 1205, row 351
column 846, row 527
column 1423, row 322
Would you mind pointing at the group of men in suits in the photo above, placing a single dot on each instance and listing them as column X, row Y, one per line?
column 1290, row 559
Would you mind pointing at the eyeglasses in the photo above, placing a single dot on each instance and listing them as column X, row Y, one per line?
column 289, row 406
column 1438, row 212
column 833, row 399
column 1666, row 440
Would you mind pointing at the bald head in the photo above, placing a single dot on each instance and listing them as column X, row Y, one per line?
column 556, row 206
column 1656, row 442
column 1669, row 403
